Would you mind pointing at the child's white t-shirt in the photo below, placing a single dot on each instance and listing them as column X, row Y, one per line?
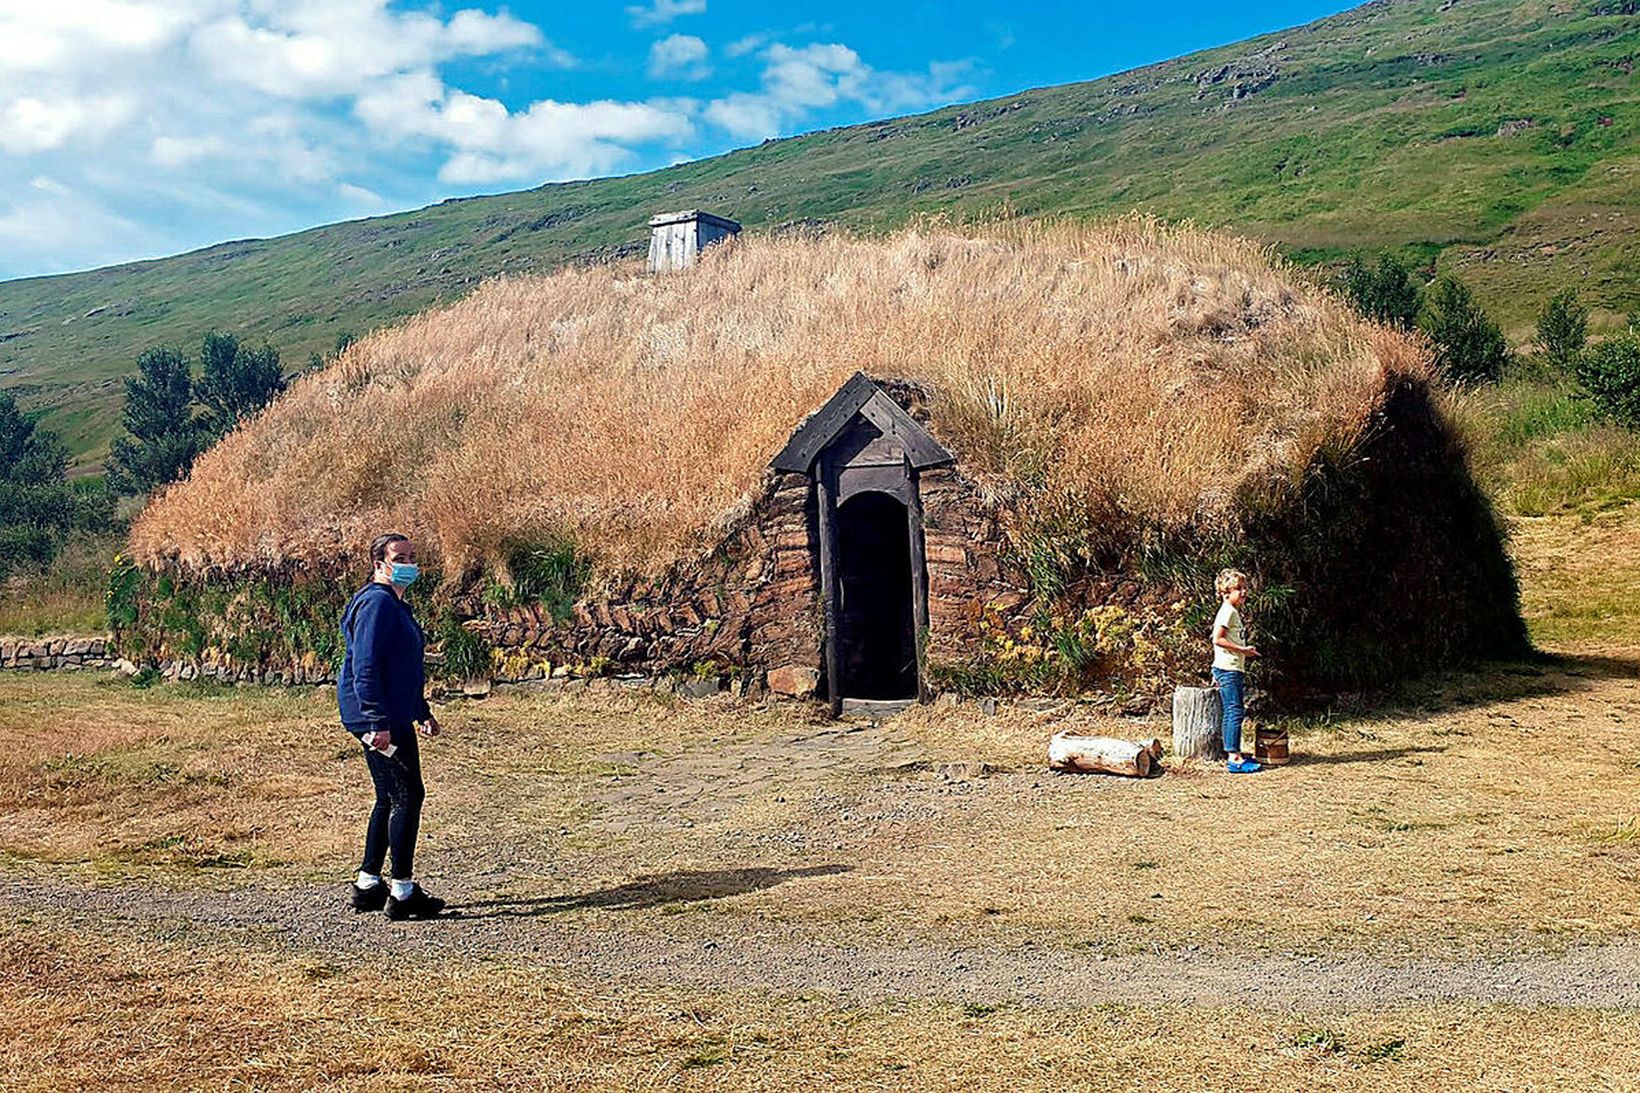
column 1229, row 618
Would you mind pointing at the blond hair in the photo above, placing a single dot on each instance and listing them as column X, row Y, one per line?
column 1228, row 579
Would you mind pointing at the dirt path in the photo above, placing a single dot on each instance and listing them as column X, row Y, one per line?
column 725, row 952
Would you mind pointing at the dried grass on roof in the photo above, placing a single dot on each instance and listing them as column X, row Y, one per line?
column 1130, row 377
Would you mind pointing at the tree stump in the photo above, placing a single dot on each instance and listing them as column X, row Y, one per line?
column 1198, row 719
column 1068, row 751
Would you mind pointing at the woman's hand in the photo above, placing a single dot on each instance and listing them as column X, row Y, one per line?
column 430, row 727
column 377, row 741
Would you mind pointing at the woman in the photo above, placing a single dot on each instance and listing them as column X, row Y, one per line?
column 381, row 691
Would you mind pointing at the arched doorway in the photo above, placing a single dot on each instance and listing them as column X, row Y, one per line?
column 876, row 616
column 864, row 453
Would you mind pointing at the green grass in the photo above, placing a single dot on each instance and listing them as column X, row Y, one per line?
column 1541, row 448
column 66, row 598
column 1382, row 131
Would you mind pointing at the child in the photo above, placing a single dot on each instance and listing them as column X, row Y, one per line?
column 1230, row 665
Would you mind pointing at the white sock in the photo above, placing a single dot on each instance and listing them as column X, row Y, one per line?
column 368, row 880
column 402, row 888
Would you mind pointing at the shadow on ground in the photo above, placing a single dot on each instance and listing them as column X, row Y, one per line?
column 1370, row 755
column 1493, row 683
column 686, row 886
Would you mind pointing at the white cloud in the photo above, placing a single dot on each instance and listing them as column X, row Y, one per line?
column 679, row 56
column 749, row 44
column 52, row 36
column 661, row 12
column 29, row 124
column 203, row 119
column 177, row 151
column 494, row 144
column 320, row 48
column 361, row 196
column 45, row 223
column 798, row 80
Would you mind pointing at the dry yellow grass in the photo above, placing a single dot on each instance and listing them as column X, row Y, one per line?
column 121, row 1012
column 1133, row 377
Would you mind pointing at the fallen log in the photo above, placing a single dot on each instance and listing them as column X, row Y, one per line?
column 1197, row 723
column 1103, row 754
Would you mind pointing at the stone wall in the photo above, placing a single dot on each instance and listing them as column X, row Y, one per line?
column 66, row 653
column 752, row 608
column 752, row 604
column 969, row 572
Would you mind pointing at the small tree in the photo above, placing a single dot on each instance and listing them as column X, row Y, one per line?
column 235, row 381
column 1610, row 373
column 1563, row 328
column 1469, row 347
column 38, row 506
column 1386, row 293
column 162, row 438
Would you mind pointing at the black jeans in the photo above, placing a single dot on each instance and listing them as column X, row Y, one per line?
column 397, row 815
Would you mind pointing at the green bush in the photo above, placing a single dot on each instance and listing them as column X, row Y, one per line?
column 1469, row 346
column 1563, row 328
column 1610, row 373
column 1385, row 293
column 550, row 575
column 466, row 655
column 39, row 508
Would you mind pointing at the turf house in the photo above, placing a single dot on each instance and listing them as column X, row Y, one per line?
column 995, row 460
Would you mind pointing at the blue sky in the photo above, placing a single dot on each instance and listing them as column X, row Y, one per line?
column 137, row 128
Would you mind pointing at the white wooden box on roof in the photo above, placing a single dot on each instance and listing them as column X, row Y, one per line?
column 675, row 239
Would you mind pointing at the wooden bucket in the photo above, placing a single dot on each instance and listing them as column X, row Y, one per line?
column 1270, row 746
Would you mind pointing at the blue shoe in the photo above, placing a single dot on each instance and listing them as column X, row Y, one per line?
column 1243, row 766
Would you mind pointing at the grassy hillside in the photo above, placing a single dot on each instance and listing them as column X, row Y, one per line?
column 1498, row 138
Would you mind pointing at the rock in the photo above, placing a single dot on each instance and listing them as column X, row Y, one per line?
column 965, row 770
column 699, row 688
column 476, row 688
column 988, row 706
column 793, row 680
column 123, row 667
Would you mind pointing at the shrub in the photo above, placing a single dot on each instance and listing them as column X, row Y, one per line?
column 1610, row 373
column 1469, row 346
column 1385, row 293
column 551, row 576
column 39, row 507
column 235, row 380
column 1562, row 328
column 161, row 439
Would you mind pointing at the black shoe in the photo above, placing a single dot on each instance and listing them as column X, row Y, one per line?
column 373, row 898
column 418, row 904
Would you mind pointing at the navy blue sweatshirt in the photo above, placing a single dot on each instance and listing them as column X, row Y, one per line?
column 383, row 681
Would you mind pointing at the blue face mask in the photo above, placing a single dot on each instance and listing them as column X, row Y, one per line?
column 404, row 573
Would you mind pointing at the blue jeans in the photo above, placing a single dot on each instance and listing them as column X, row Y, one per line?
column 1232, row 694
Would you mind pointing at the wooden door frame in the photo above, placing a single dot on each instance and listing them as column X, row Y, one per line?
column 832, row 494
